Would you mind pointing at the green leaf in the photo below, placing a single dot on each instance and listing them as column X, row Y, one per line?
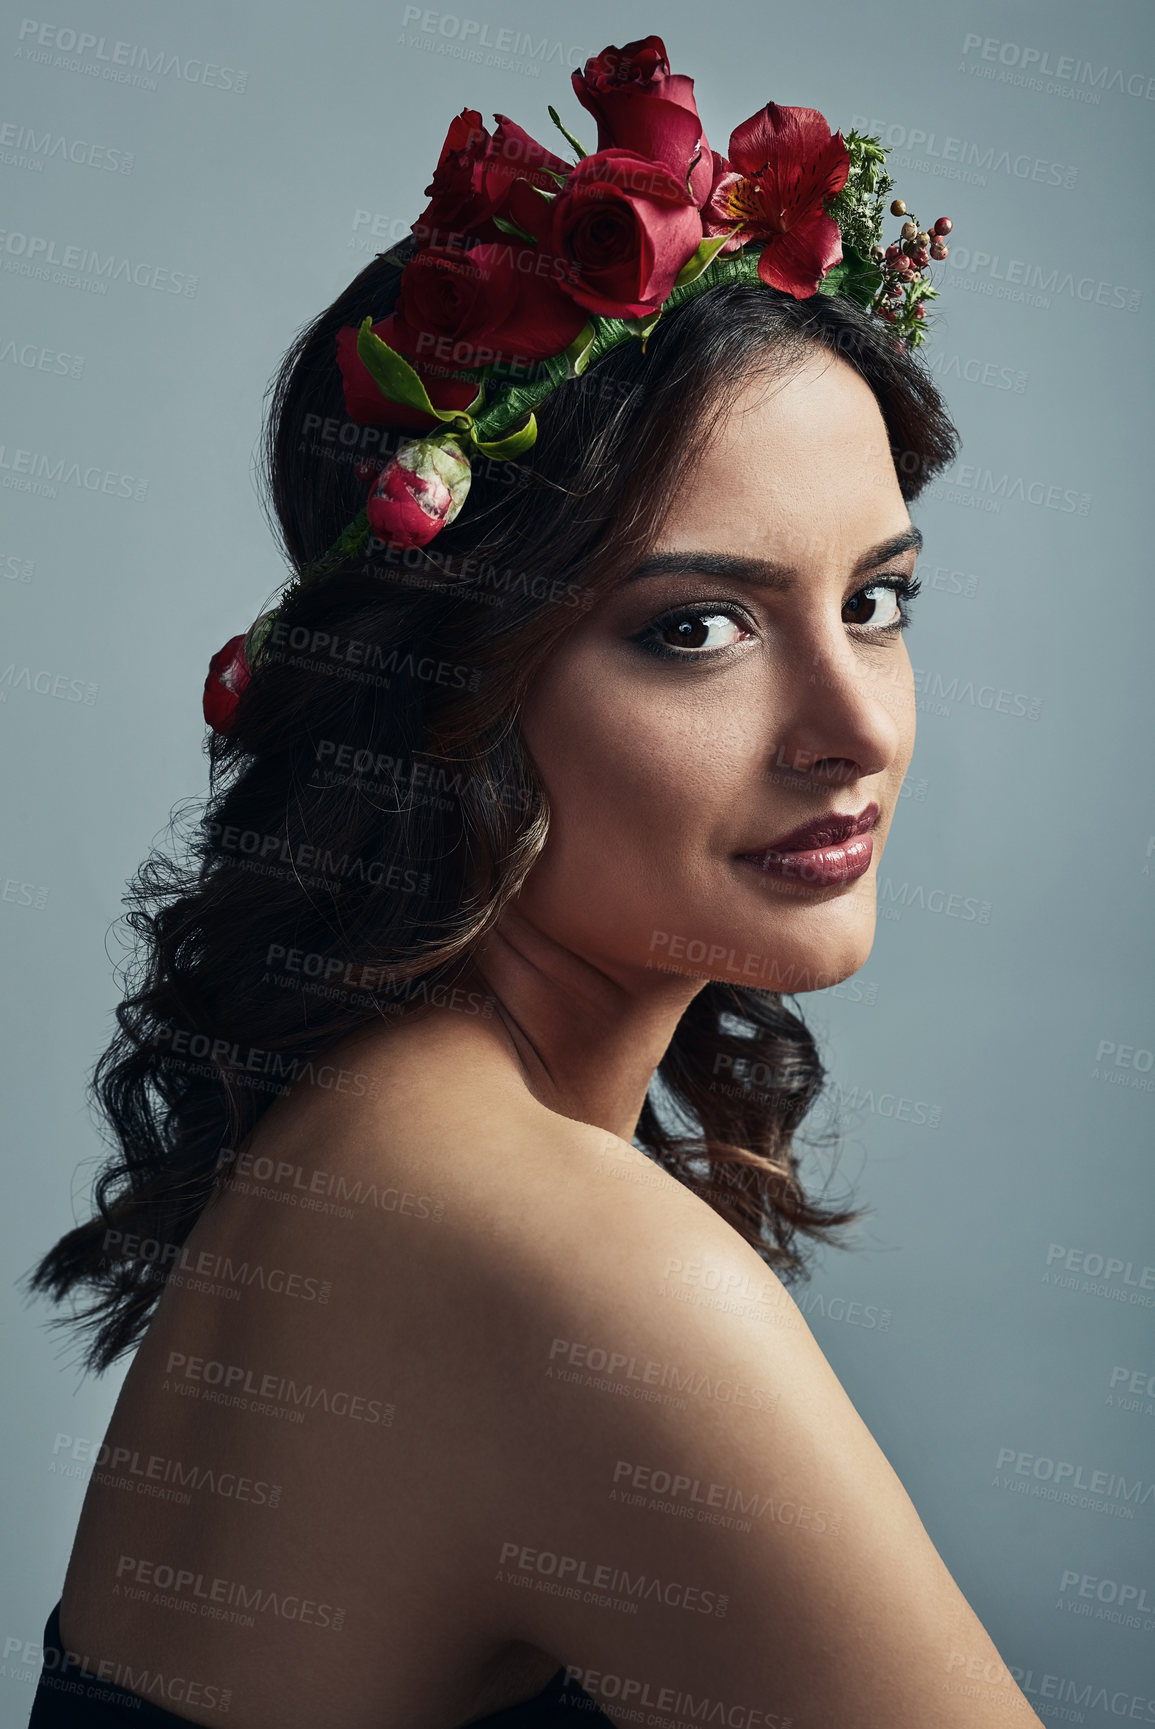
column 582, row 153
column 395, row 378
column 508, row 227
column 741, row 266
column 577, row 355
column 705, row 255
column 510, row 402
column 610, row 333
column 351, row 540
column 513, row 444
column 858, row 208
column 857, row 278
column 257, row 633
column 643, row 327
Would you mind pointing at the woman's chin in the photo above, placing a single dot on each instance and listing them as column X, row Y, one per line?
column 763, row 960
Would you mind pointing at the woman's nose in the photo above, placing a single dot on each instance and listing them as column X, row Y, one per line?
column 846, row 712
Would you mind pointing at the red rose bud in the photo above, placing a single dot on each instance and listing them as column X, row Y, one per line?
column 419, row 492
column 514, row 155
column 473, row 178
column 642, row 107
column 229, row 672
column 458, row 201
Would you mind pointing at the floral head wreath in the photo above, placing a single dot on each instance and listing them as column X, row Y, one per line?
column 531, row 269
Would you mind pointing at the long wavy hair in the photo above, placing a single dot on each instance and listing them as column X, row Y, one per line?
column 374, row 809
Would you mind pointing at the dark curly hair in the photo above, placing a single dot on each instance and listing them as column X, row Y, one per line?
column 373, row 808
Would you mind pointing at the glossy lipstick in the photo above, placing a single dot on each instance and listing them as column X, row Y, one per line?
column 830, row 850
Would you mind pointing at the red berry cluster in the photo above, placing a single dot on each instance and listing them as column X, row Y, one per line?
column 905, row 287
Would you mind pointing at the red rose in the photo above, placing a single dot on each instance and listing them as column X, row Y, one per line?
column 365, row 404
column 228, row 674
column 468, row 307
column 625, row 226
column 514, row 155
column 641, row 106
column 458, row 200
column 418, row 492
column 473, row 177
column 784, row 162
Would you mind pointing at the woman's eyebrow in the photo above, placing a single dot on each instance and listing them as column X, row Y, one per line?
column 765, row 572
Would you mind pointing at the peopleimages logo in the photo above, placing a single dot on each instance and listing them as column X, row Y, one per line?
column 670, row 1703
column 937, row 900
column 471, row 35
column 1131, row 1599
column 82, row 266
column 185, row 1585
column 147, row 1683
column 571, row 1571
column 961, row 151
column 46, row 683
column 34, row 471
column 35, row 357
column 156, row 1473
column 1075, row 1481
column 72, row 50
column 637, row 1484
column 1020, row 280
column 1100, row 1275
column 1035, row 64
column 934, row 693
column 24, row 147
column 970, row 483
column 976, row 371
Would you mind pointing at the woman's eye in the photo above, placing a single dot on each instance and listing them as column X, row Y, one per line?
column 693, row 630
column 878, row 606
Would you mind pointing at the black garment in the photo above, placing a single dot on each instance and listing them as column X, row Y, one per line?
column 69, row 1697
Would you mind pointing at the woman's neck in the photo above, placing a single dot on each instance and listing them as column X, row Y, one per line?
column 584, row 1039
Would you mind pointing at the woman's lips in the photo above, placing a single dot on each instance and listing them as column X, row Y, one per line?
column 832, row 849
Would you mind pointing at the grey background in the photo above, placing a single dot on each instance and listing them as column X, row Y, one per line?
column 1022, row 1150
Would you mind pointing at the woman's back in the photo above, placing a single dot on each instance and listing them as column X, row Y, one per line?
column 497, row 1394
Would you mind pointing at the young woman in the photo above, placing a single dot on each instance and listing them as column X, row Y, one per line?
column 456, row 1197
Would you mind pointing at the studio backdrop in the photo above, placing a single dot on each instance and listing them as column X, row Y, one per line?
column 183, row 188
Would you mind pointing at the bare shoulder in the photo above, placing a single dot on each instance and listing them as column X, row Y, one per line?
column 678, row 1497
column 691, row 1503
column 668, row 1487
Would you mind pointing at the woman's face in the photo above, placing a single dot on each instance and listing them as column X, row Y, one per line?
column 744, row 682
